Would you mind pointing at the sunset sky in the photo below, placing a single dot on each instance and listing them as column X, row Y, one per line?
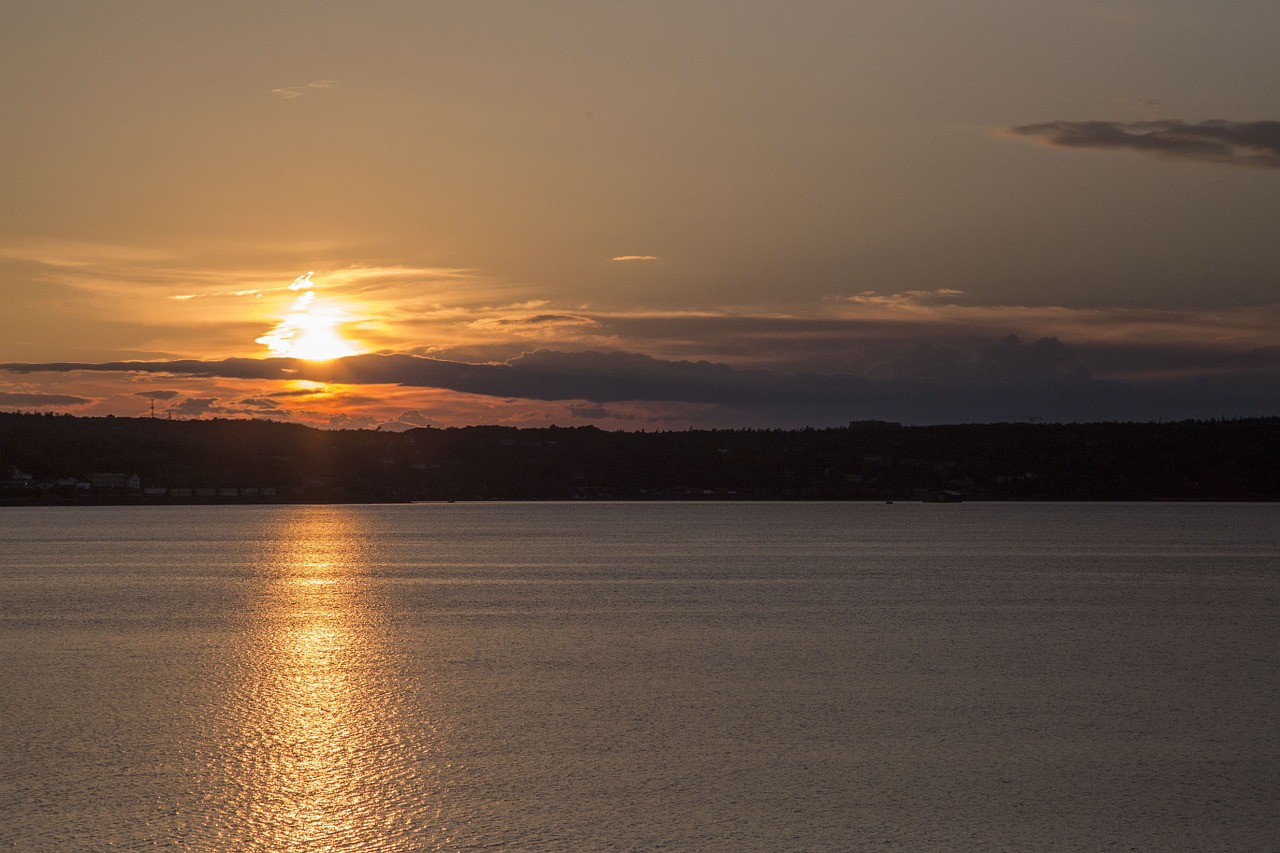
column 642, row 215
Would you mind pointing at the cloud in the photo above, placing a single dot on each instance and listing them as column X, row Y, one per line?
column 343, row 420
column 395, row 426
column 595, row 413
column 415, row 417
column 540, row 375
column 14, row 399
column 235, row 368
column 158, row 395
column 955, row 379
column 1047, row 358
column 635, row 258
column 1237, row 143
column 302, row 392
column 869, row 334
column 73, row 254
column 596, row 377
column 909, row 299
column 194, row 406
column 255, row 292
column 557, row 320
column 289, row 92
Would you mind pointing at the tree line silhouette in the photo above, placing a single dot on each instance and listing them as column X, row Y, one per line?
column 48, row 458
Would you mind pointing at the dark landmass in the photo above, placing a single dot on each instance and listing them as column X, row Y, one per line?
column 61, row 459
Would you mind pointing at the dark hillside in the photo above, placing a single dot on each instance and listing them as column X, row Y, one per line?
column 60, row 458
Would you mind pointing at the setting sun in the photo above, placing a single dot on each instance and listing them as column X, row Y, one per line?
column 311, row 336
column 311, row 329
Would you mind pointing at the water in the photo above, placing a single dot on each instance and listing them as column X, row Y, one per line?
column 635, row 677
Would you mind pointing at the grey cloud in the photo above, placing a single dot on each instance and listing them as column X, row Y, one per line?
column 1254, row 143
column 194, row 406
column 15, row 399
column 231, row 368
column 298, row 393
column 850, row 344
column 1010, row 358
column 545, row 319
column 1129, row 359
column 1002, row 361
column 541, row 375
column 158, row 395
column 396, row 426
column 930, row 361
column 593, row 412
column 342, row 420
column 415, row 417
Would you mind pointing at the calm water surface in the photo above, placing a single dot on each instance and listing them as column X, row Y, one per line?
column 633, row 677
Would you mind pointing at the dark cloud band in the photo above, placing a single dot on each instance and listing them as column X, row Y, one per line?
column 1009, row 379
column 13, row 399
column 1254, row 143
column 541, row 375
column 615, row 377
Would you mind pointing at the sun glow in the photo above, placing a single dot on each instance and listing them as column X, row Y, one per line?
column 310, row 330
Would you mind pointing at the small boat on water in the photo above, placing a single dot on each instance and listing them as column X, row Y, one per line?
column 944, row 496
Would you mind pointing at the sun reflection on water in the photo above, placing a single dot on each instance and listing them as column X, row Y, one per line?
column 324, row 758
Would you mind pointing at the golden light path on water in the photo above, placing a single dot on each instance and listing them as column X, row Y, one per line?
column 322, row 754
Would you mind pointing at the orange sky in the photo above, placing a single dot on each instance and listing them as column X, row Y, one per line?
column 642, row 215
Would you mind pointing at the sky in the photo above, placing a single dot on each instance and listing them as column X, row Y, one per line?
column 641, row 215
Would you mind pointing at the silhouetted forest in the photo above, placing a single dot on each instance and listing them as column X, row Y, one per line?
column 47, row 458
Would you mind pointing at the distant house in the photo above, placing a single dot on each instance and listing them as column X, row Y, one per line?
column 110, row 480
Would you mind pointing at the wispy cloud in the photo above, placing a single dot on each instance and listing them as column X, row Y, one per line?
column 289, row 92
column 170, row 300
column 635, row 258
column 73, row 254
column 908, row 299
column 1254, row 143
column 254, row 292
column 553, row 328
